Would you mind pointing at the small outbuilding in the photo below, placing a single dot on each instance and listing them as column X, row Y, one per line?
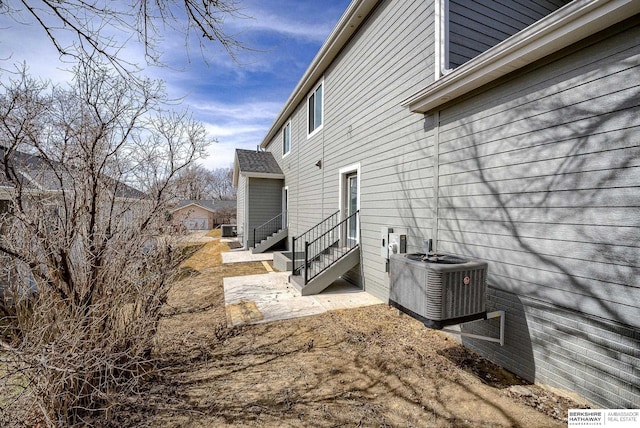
column 262, row 198
column 203, row 215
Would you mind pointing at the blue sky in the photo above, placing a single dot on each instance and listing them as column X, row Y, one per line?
column 237, row 101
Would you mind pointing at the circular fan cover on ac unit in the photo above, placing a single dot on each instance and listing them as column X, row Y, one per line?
column 446, row 259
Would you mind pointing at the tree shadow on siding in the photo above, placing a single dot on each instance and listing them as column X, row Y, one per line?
column 546, row 191
column 565, row 237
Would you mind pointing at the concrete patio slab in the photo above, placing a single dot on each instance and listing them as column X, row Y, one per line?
column 255, row 299
column 244, row 256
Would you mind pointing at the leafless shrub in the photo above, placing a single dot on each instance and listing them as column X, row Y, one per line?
column 85, row 266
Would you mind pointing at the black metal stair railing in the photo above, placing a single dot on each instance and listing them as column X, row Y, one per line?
column 329, row 247
column 268, row 228
column 298, row 242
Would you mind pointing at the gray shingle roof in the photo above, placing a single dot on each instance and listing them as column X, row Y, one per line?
column 260, row 162
column 37, row 174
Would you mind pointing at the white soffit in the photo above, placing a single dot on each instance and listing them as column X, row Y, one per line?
column 569, row 24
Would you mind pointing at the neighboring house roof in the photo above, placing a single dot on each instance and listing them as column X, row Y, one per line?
column 255, row 164
column 37, row 174
column 32, row 171
column 209, row 205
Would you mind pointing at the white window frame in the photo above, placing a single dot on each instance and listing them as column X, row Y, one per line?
column 311, row 133
column 343, row 174
column 284, row 131
column 285, row 204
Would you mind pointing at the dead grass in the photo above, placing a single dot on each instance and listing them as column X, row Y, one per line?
column 215, row 233
column 209, row 255
column 359, row 367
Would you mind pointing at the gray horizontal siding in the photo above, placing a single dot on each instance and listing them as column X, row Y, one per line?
column 365, row 124
column 538, row 173
column 241, row 195
column 475, row 26
column 596, row 358
column 265, row 202
column 556, row 149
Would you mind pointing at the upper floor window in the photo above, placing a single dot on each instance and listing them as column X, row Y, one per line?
column 315, row 109
column 286, row 139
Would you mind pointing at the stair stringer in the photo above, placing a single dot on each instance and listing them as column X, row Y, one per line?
column 270, row 241
column 327, row 277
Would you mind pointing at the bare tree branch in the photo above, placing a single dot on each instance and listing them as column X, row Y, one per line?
column 101, row 29
column 85, row 266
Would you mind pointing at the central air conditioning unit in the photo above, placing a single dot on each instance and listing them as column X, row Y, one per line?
column 228, row 230
column 438, row 289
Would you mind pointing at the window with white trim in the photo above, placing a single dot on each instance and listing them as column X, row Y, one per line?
column 315, row 105
column 286, row 139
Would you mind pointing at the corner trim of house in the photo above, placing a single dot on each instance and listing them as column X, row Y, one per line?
column 569, row 24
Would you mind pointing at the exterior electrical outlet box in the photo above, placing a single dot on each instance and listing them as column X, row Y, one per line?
column 438, row 289
column 384, row 241
column 397, row 243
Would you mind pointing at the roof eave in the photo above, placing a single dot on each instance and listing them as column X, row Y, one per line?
column 195, row 205
column 573, row 22
column 263, row 175
column 346, row 27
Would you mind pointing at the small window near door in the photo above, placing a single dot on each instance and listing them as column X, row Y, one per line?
column 315, row 107
column 286, row 139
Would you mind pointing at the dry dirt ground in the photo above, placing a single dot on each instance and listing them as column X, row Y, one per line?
column 359, row 367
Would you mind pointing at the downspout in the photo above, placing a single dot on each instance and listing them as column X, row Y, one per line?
column 436, row 178
column 441, row 56
column 245, row 231
column 441, row 44
column 322, row 164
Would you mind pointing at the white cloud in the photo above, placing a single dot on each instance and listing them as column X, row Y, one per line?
column 253, row 111
column 264, row 20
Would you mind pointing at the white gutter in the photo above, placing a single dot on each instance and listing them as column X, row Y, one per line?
column 348, row 24
column 263, row 175
column 569, row 24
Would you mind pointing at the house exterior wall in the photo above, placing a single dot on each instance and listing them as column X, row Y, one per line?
column 540, row 176
column 241, row 219
column 537, row 173
column 364, row 123
column 264, row 196
column 193, row 217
